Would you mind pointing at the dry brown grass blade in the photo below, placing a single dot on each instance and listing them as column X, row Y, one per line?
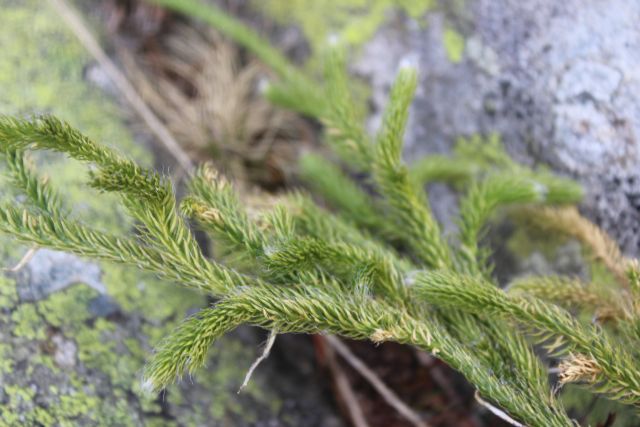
column 80, row 30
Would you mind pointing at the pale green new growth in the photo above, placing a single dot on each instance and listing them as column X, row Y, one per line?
column 186, row 349
column 380, row 269
column 407, row 202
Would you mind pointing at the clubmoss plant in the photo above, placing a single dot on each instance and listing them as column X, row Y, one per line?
column 378, row 267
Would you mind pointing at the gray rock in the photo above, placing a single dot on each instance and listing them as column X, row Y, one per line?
column 103, row 306
column 52, row 271
column 65, row 351
column 558, row 80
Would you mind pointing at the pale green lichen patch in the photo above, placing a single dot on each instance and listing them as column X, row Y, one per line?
column 27, row 323
column 352, row 21
column 453, row 44
column 142, row 292
column 8, row 294
column 41, row 71
column 6, row 363
column 524, row 242
column 68, row 308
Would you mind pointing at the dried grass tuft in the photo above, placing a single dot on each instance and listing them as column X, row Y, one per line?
column 208, row 96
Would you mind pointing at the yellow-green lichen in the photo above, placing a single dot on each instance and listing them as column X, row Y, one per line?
column 41, row 72
column 27, row 323
column 352, row 21
column 19, row 395
column 6, row 364
column 524, row 242
column 158, row 300
column 453, row 44
column 20, row 398
column 43, row 417
column 76, row 404
column 68, row 307
column 8, row 294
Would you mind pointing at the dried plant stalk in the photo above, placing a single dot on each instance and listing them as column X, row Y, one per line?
column 209, row 99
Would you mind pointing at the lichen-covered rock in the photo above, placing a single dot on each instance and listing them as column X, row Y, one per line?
column 74, row 333
column 558, row 80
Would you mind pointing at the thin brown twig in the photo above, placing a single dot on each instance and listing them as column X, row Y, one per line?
column 389, row 396
column 349, row 398
column 80, row 30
